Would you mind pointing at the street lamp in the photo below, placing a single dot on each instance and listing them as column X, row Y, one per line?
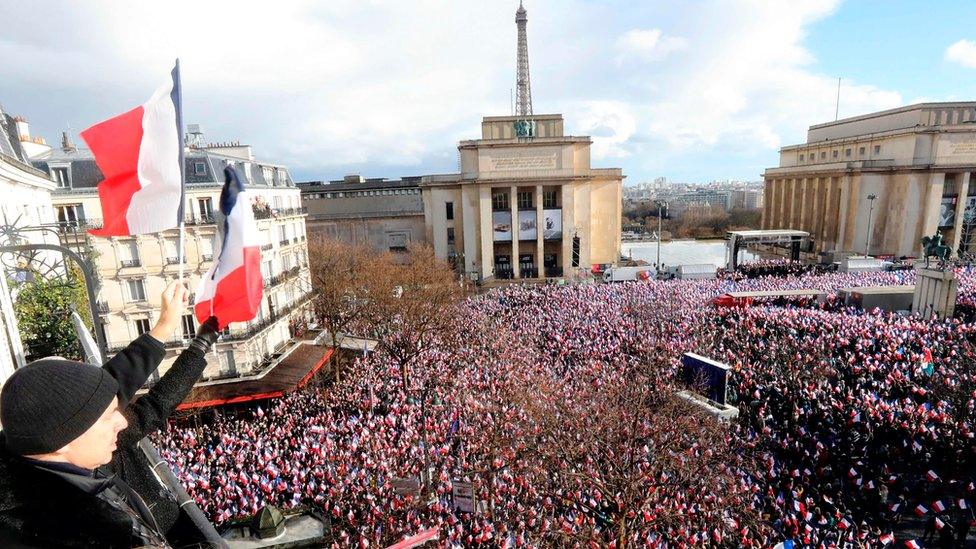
column 867, row 237
column 660, row 206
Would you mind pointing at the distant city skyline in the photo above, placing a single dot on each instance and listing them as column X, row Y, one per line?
column 697, row 92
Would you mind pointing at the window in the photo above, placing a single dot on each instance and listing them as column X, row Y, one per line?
column 877, row 149
column 282, row 234
column 188, row 329
column 576, row 251
column 450, row 236
column 860, row 151
column 449, row 210
column 268, row 269
column 206, row 208
column 129, row 254
column 268, row 175
column 199, row 168
column 142, row 326
column 834, row 154
column 137, row 289
column 549, row 199
column 60, row 175
column 823, row 155
column 847, row 153
column 801, row 158
column 499, row 202
column 282, row 176
column 71, row 214
column 525, row 200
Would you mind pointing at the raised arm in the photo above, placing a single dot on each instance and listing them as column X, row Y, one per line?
column 132, row 366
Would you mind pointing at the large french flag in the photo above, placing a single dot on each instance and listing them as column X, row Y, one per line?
column 233, row 287
column 140, row 154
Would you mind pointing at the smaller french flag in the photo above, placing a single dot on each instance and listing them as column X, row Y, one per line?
column 931, row 476
column 844, row 524
column 938, row 506
column 962, row 504
column 887, row 538
column 939, row 524
column 232, row 289
column 921, row 510
column 912, row 544
column 852, row 473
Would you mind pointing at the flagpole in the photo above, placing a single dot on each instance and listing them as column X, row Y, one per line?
column 178, row 92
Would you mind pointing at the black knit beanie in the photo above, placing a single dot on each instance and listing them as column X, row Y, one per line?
column 52, row 401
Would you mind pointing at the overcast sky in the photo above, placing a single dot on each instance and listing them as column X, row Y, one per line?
column 692, row 91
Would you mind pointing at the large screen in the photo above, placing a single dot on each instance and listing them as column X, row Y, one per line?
column 705, row 376
column 947, row 212
column 501, row 223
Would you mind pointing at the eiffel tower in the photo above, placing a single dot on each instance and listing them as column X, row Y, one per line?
column 523, row 88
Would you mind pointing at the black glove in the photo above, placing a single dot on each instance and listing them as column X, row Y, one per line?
column 206, row 335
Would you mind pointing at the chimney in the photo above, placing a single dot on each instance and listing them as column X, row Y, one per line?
column 66, row 144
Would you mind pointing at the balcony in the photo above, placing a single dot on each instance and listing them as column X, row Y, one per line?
column 173, row 260
column 281, row 277
column 130, row 263
column 266, row 247
column 206, row 257
column 204, row 219
column 283, row 243
column 256, row 327
column 102, row 307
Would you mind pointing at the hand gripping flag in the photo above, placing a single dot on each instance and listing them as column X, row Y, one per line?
column 232, row 289
column 140, row 153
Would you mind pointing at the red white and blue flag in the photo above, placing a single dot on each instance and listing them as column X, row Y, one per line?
column 232, row 289
column 140, row 153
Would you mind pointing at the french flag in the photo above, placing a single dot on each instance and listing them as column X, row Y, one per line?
column 232, row 289
column 140, row 153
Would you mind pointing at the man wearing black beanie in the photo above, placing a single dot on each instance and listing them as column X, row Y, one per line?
column 64, row 422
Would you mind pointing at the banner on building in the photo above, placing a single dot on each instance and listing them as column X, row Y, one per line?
column 947, row 213
column 501, row 223
column 969, row 214
column 553, row 224
column 527, row 225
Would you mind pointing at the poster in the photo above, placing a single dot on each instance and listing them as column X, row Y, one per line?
column 553, row 228
column 969, row 215
column 501, row 223
column 947, row 213
column 463, row 493
column 527, row 228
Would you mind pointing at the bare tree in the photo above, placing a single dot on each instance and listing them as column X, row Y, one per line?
column 344, row 282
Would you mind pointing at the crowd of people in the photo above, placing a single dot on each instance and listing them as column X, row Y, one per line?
column 556, row 404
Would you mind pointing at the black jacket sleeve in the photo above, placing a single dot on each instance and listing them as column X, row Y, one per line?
column 132, row 366
column 149, row 414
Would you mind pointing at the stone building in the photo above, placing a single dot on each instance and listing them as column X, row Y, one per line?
column 901, row 174
column 134, row 270
column 26, row 203
column 382, row 214
column 527, row 203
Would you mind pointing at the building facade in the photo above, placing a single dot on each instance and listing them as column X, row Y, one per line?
column 134, row 270
column 382, row 214
column 527, row 203
column 879, row 182
column 26, row 203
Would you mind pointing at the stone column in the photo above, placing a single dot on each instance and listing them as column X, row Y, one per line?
column 845, row 192
column 567, row 202
column 933, row 202
column 767, row 198
column 784, row 202
column 540, row 223
column 487, row 236
column 803, row 207
column 513, row 206
column 960, row 211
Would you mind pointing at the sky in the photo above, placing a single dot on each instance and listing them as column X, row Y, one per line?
column 693, row 91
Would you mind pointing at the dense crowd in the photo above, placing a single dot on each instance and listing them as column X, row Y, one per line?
column 855, row 428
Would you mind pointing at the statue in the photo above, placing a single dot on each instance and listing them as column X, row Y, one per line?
column 933, row 247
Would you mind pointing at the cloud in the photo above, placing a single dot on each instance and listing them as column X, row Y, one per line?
column 648, row 44
column 962, row 52
column 389, row 88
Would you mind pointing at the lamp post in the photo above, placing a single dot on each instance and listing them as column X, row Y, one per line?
column 867, row 237
column 660, row 206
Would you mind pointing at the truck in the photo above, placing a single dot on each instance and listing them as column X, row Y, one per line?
column 625, row 274
column 692, row 272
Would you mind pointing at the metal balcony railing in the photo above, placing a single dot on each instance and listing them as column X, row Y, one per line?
column 173, row 260
column 266, row 247
column 284, row 242
column 207, row 257
column 102, row 307
column 130, row 263
column 256, row 327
